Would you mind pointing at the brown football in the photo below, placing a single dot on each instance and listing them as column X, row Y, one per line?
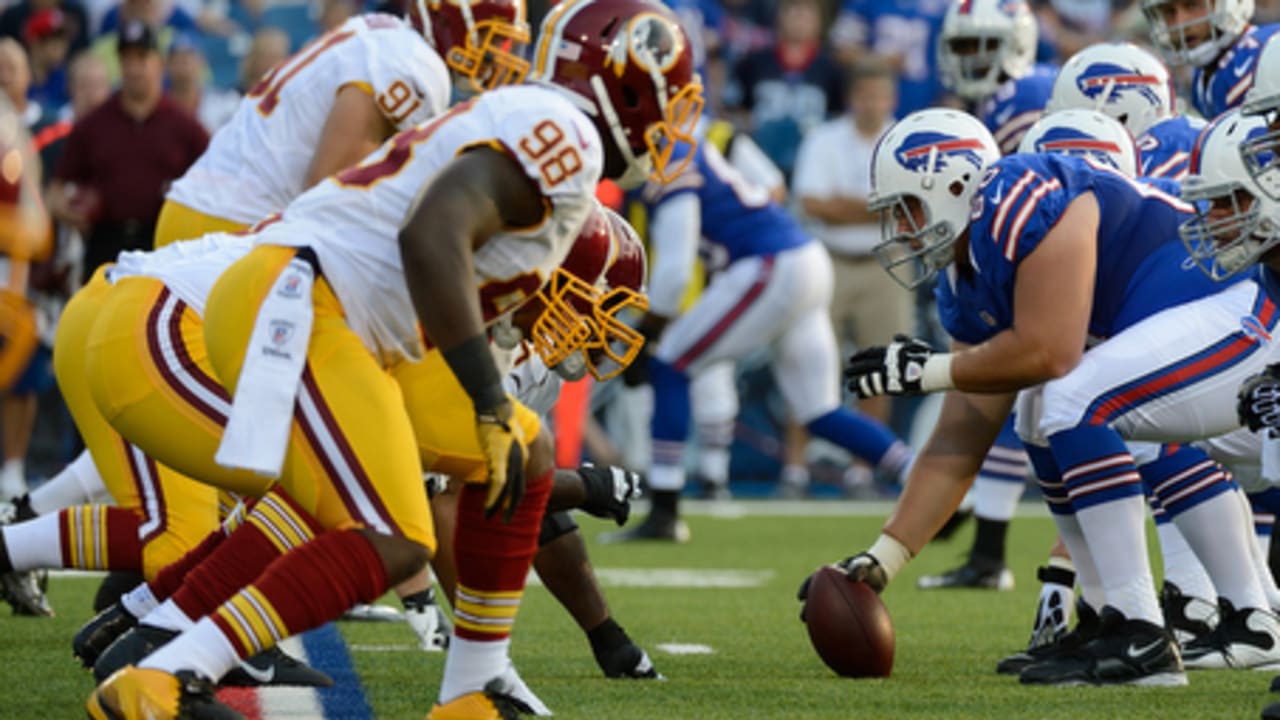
column 849, row 626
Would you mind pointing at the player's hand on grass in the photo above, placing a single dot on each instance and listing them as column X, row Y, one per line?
column 505, row 450
column 1258, row 401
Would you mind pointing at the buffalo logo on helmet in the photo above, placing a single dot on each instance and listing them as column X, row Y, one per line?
column 918, row 148
column 1114, row 79
column 1071, row 141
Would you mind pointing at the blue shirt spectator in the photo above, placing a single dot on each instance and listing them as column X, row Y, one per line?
column 905, row 32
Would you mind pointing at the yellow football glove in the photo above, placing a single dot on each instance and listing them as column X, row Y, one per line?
column 504, row 448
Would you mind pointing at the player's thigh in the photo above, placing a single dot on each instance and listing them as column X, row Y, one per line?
column 179, row 222
column 1172, row 376
column 443, row 419
column 805, row 369
column 150, row 377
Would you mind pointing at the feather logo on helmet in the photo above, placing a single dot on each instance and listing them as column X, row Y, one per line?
column 648, row 42
column 1114, row 79
column 915, row 151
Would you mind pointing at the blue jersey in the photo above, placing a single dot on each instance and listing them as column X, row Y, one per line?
column 1222, row 85
column 1166, row 147
column 1142, row 265
column 905, row 28
column 1016, row 105
column 736, row 214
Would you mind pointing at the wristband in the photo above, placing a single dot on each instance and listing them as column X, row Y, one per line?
column 891, row 554
column 936, row 374
column 472, row 363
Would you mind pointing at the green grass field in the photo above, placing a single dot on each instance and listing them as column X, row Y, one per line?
column 762, row 665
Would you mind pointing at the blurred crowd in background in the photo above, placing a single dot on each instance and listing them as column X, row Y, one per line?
column 793, row 74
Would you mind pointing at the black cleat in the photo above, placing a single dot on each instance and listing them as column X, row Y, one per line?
column 98, row 634
column 628, row 661
column 663, row 526
column 969, row 576
column 1189, row 618
column 129, row 649
column 1126, row 652
column 1045, row 645
column 1271, row 712
column 274, row 666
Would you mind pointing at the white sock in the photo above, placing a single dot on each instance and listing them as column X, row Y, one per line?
column 1116, row 534
column 470, row 664
column 169, row 616
column 798, row 475
column 1258, row 551
column 1086, row 572
column 1220, row 532
column 140, row 601
column 34, row 544
column 73, row 486
column 713, row 465
column 666, row 478
column 996, row 499
column 1181, row 566
column 13, row 479
column 203, row 649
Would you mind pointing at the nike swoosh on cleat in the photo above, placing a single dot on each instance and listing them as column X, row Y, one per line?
column 1137, row 652
column 263, row 676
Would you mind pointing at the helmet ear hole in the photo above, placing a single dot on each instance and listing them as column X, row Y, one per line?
column 630, row 97
column 956, row 188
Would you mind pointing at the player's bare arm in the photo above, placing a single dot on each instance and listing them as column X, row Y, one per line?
column 1053, row 296
column 354, row 129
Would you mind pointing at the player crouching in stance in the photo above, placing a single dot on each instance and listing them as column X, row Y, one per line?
column 488, row 198
column 1047, row 254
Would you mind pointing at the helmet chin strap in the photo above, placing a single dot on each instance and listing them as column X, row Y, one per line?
column 505, row 334
column 425, row 16
column 636, row 172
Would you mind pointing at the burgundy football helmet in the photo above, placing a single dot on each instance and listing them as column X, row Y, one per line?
column 480, row 40
column 628, row 64
column 600, row 280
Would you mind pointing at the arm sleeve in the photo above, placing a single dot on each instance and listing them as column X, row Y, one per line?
column 674, row 229
column 750, row 160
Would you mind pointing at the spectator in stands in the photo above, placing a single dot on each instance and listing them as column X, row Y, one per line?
column 904, row 32
column 88, row 86
column 14, row 19
column 335, row 12
column 48, row 43
column 188, row 86
column 269, row 48
column 121, row 158
column 166, row 20
column 786, row 90
column 867, row 307
column 18, row 407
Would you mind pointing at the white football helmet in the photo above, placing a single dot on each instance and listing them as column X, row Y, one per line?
column 1213, row 31
column 1119, row 79
column 1262, row 154
column 1235, row 222
column 985, row 42
column 924, row 172
column 1084, row 133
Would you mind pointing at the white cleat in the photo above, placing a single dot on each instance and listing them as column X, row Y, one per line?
column 514, row 686
column 1245, row 639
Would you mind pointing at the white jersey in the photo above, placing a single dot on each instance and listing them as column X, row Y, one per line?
column 352, row 220
column 257, row 163
column 188, row 268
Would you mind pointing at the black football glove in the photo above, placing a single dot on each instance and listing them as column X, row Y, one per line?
column 893, row 369
column 1258, row 401
column 863, row 567
column 610, row 490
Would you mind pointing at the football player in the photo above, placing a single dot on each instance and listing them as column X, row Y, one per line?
column 617, row 93
column 774, row 291
column 1217, row 38
column 1060, row 222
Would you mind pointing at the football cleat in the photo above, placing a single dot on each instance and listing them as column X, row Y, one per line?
column 24, row 592
column 1189, row 618
column 1085, row 631
column 1271, row 712
column 659, row 525
column 430, row 625
column 1247, row 638
column 492, row 703
column 98, row 634
column 129, row 649
column 275, row 667
column 969, row 576
column 1125, row 652
column 712, row 490
column 146, row 694
column 628, row 661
